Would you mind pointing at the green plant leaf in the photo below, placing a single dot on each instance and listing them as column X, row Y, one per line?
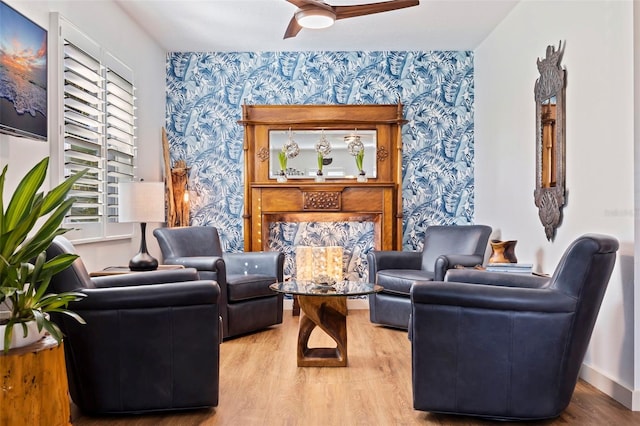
column 58, row 194
column 2, row 180
column 23, row 197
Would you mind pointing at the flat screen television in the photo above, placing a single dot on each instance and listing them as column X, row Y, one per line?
column 23, row 75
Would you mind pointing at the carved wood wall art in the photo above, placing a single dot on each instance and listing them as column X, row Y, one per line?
column 549, row 90
column 321, row 200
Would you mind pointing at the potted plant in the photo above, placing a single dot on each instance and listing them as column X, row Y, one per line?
column 29, row 224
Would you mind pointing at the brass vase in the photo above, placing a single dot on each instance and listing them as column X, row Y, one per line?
column 503, row 251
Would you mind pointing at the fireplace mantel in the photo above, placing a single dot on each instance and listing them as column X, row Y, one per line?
column 379, row 200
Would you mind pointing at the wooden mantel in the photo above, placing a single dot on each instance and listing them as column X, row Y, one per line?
column 379, row 200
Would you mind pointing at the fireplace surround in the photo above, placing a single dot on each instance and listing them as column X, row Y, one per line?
column 378, row 200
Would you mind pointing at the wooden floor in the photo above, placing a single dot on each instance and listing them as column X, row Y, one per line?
column 260, row 384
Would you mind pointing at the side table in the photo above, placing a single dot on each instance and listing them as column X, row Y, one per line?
column 119, row 270
column 34, row 389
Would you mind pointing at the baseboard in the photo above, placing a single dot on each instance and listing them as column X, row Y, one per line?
column 625, row 396
column 351, row 304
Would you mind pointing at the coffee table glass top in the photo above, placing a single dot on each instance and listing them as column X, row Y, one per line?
column 310, row 288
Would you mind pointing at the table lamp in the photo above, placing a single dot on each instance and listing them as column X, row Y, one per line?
column 141, row 202
column 319, row 263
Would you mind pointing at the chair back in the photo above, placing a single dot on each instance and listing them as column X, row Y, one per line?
column 453, row 239
column 188, row 241
column 75, row 276
column 583, row 273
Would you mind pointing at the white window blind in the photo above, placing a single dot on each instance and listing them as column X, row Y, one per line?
column 83, row 132
column 98, row 133
column 120, row 148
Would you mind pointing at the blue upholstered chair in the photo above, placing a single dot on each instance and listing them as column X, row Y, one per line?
column 247, row 304
column 508, row 346
column 397, row 271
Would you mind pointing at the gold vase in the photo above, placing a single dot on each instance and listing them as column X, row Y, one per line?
column 503, row 251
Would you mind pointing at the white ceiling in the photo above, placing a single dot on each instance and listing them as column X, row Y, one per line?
column 259, row 25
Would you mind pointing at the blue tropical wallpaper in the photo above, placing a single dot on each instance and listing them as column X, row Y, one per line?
column 205, row 94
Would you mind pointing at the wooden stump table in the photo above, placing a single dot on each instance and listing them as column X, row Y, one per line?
column 33, row 387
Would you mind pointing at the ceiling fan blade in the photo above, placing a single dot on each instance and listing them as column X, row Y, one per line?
column 343, row 12
column 316, row 3
column 298, row 3
column 293, row 29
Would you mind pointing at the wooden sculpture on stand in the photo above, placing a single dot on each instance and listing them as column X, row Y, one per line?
column 177, row 181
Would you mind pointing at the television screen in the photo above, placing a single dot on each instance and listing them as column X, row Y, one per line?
column 23, row 75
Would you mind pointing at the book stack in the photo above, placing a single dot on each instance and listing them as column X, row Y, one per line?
column 519, row 268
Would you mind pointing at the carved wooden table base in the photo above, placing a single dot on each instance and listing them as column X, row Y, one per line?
column 330, row 314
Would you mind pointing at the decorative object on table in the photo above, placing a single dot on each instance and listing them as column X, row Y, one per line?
column 549, row 194
column 141, row 202
column 503, row 251
column 25, row 273
column 321, row 265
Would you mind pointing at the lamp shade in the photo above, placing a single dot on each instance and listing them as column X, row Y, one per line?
column 141, row 202
column 313, row 263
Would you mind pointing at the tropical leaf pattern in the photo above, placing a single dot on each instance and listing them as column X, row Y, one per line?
column 205, row 94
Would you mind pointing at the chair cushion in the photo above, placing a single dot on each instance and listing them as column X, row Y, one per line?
column 243, row 287
column 400, row 281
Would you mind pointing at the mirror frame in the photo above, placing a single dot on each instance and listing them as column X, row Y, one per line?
column 550, row 192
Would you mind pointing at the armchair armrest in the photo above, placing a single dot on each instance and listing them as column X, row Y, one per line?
column 492, row 297
column 144, row 278
column 149, row 296
column 379, row 260
column 448, row 261
column 473, row 276
column 201, row 263
column 255, row 262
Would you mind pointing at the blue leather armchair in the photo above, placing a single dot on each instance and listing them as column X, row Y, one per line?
column 151, row 341
column 397, row 271
column 508, row 346
column 247, row 304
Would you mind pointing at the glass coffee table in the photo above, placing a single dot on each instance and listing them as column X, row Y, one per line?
column 323, row 306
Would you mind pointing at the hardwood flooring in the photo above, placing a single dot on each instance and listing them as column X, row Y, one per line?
column 260, row 384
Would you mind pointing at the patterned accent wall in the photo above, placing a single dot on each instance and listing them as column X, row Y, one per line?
column 205, row 93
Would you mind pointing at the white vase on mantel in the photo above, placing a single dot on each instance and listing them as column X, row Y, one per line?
column 18, row 339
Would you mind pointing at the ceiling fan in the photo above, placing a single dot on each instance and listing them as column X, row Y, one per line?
column 318, row 14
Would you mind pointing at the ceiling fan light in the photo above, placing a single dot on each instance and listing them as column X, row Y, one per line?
column 315, row 18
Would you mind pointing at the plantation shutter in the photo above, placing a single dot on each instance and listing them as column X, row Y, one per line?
column 120, row 122
column 98, row 132
column 83, row 132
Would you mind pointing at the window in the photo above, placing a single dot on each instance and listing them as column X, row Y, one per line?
column 98, row 133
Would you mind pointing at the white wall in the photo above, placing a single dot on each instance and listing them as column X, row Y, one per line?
column 105, row 23
column 599, row 153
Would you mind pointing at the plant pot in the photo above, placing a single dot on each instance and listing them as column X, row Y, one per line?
column 17, row 338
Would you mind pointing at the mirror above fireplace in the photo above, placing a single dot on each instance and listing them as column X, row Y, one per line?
column 338, row 163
